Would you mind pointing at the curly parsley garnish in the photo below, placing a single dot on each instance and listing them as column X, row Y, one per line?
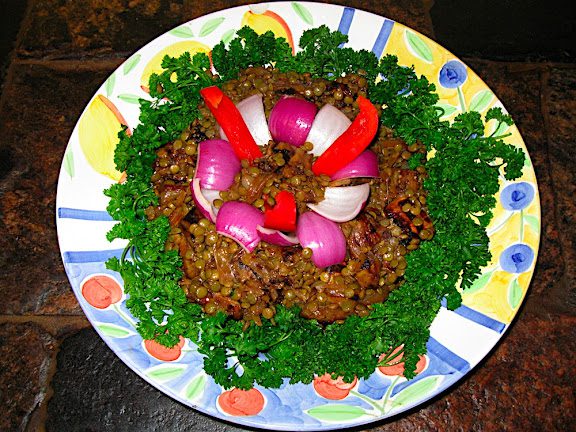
column 462, row 180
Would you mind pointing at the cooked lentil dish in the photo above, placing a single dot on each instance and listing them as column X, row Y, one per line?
column 221, row 276
column 184, row 276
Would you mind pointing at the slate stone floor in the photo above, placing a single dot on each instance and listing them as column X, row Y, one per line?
column 56, row 374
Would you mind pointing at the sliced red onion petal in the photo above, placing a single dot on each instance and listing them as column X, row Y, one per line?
column 203, row 199
column 328, row 125
column 238, row 221
column 365, row 165
column 323, row 237
column 252, row 111
column 276, row 237
column 217, row 164
column 341, row 204
column 291, row 119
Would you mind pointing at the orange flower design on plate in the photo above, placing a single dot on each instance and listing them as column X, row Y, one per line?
column 101, row 291
column 333, row 389
column 163, row 353
column 238, row 402
column 395, row 366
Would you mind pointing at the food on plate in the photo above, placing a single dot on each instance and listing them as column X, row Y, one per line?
column 267, row 230
column 297, row 215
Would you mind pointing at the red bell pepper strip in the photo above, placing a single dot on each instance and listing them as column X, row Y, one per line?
column 283, row 215
column 232, row 123
column 352, row 142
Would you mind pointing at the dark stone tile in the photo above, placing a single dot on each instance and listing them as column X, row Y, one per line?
column 11, row 13
column 506, row 30
column 519, row 89
column 26, row 353
column 194, row 9
column 34, row 135
column 59, row 28
column 561, row 111
column 94, row 391
column 525, row 385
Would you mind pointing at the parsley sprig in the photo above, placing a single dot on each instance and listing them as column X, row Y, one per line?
column 461, row 183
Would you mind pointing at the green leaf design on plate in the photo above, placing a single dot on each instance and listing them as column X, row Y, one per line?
column 419, row 47
column 210, row 26
column 303, row 12
column 480, row 283
column 114, row 331
column 69, row 162
column 228, row 35
column 131, row 63
column 195, row 387
column 166, row 372
column 182, row 32
column 500, row 130
column 515, row 294
column 130, row 98
column 109, row 84
column 416, row 391
column 481, row 100
column 448, row 109
column 336, row 413
column 532, row 222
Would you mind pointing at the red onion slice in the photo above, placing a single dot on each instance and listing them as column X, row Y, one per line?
column 291, row 119
column 217, row 164
column 365, row 165
column 203, row 198
column 276, row 237
column 323, row 237
column 328, row 125
column 252, row 111
column 238, row 221
column 341, row 204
